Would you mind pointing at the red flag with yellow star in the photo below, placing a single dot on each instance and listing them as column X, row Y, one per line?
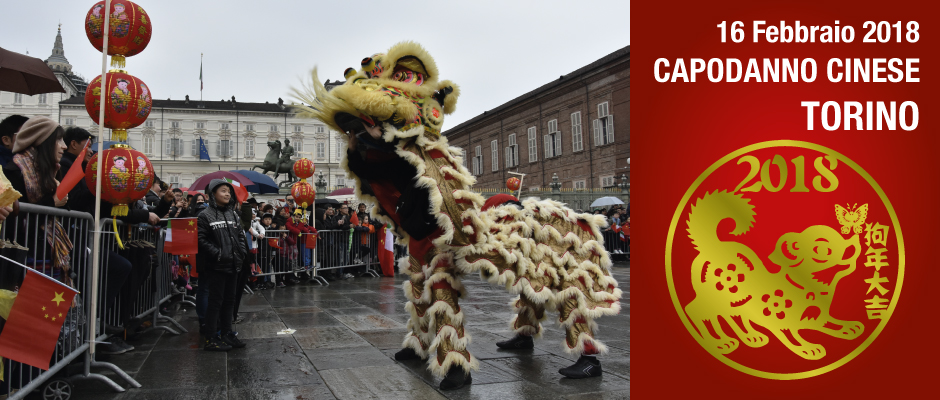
column 30, row 334
column 181, row 237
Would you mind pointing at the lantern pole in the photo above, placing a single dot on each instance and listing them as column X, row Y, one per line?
column 521, row 178
column 96, row 249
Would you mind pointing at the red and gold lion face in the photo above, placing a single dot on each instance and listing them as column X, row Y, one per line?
column 398, row 91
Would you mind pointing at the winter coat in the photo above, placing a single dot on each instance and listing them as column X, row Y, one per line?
column 257, row 229
column 365, row 229
column 152, row 200
column 296, row 229
column 222, row 244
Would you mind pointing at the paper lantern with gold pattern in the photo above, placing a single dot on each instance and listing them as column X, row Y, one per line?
column 130, row 30
column 128, row 102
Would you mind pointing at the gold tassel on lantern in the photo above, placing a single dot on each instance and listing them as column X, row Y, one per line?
column 119, row 210
column 118, row 61
column 119, row 135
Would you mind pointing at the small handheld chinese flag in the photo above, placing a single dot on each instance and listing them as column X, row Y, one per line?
column 240, row 191
column 181, row 236
column 30, row 334
column 75, row 175
column 310, row 240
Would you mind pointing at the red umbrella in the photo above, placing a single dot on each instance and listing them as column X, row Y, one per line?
column 342, row 192
column 203, row 181
column 27, row 75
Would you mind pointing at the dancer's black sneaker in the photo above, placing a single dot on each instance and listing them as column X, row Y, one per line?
column 407, row 354
column 456, row 378
column 232, row 340
column 586, row 367
column 517, row 343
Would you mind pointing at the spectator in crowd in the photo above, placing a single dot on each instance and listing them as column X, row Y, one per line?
column 197, row 204
column 290, row 203
column 297, row 228
column 35, row 166
column 366, row 229
column 287, row 248
column 323, row 221
column 222, row 248
column 284, row 212
column 180, row 206
column 257, row 232
column 8, row 129
column 344, row 225
column 156, row 192
column 362, row 212
column 264, row 247
column 75, row 140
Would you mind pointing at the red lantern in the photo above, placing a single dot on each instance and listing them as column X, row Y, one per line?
column 513, row 184
column 303, row 193
column 304, row 168
column 130, row 30
column 127, row 103
column 126, row 178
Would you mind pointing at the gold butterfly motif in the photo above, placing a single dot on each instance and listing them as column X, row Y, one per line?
column 852, row 218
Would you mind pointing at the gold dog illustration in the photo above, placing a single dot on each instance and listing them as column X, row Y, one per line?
column 731, row 282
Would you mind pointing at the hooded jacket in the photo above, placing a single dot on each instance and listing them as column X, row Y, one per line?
column 222, row 245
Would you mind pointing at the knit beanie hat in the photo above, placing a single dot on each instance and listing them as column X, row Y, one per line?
column 35, row 131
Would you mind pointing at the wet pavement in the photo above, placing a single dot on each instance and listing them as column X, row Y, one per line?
column 343, row 347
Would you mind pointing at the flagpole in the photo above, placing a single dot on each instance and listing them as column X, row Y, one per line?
column 96, row 249
column 200, row 77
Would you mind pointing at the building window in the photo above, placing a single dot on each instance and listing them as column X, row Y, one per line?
column 463, row 157
column 225, row 148
column 607, row 181
column 224, row 126
column 494, row 149
column 340, row 181
column 298, row 128
column 148, row 144
column 148, row 124
column 512, row 152
column 298, row 147
column 552, row 140
column 200, row 125
column 194, row 147
column 174, row 125
column 320, row 129
column 478, row 160
column 69, row 122
column 339, row 148
column 17, row 98
column 250, row 127
column 533, row 145
column 174, row 179
column 580, row 184
column 274, row 128
column 43, row 98
column 321, row 150
column 174, row 147
column 603, row 126
column 250, row 148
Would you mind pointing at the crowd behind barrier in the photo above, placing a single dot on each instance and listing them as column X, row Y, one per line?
column 615, row 244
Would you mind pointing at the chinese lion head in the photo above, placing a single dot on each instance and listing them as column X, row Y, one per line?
column 400, row 91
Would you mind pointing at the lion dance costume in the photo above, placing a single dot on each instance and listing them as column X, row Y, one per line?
column 543, row 251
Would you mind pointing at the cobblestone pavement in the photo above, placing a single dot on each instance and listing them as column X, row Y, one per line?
column 346, row 335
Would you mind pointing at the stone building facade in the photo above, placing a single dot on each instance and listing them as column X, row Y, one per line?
column 566, row 128
column 235, row 134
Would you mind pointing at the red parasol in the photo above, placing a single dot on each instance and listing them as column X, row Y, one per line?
column 203, row 181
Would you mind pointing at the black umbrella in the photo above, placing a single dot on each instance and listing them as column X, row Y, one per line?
column 27, row 75
column 324, row 202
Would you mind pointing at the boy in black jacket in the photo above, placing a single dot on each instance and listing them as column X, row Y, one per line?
column 222, row 248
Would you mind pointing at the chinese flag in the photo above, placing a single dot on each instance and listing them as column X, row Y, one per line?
column 181, row 237
column 75, row 175
column 240, row 191
column 311, row 240
column 354, row 219
column 31, row 332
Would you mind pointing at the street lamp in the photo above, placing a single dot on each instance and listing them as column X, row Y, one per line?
column 555, row 184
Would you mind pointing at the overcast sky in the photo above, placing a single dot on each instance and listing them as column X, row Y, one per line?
column 255, row 50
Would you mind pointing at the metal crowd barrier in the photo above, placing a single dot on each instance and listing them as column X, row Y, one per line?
column 334, row 250
column 614, row 245
column 132, row 284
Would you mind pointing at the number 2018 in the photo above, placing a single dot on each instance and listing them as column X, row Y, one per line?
column 766, row 180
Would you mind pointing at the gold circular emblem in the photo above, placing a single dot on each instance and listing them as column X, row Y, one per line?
column 785, row 259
